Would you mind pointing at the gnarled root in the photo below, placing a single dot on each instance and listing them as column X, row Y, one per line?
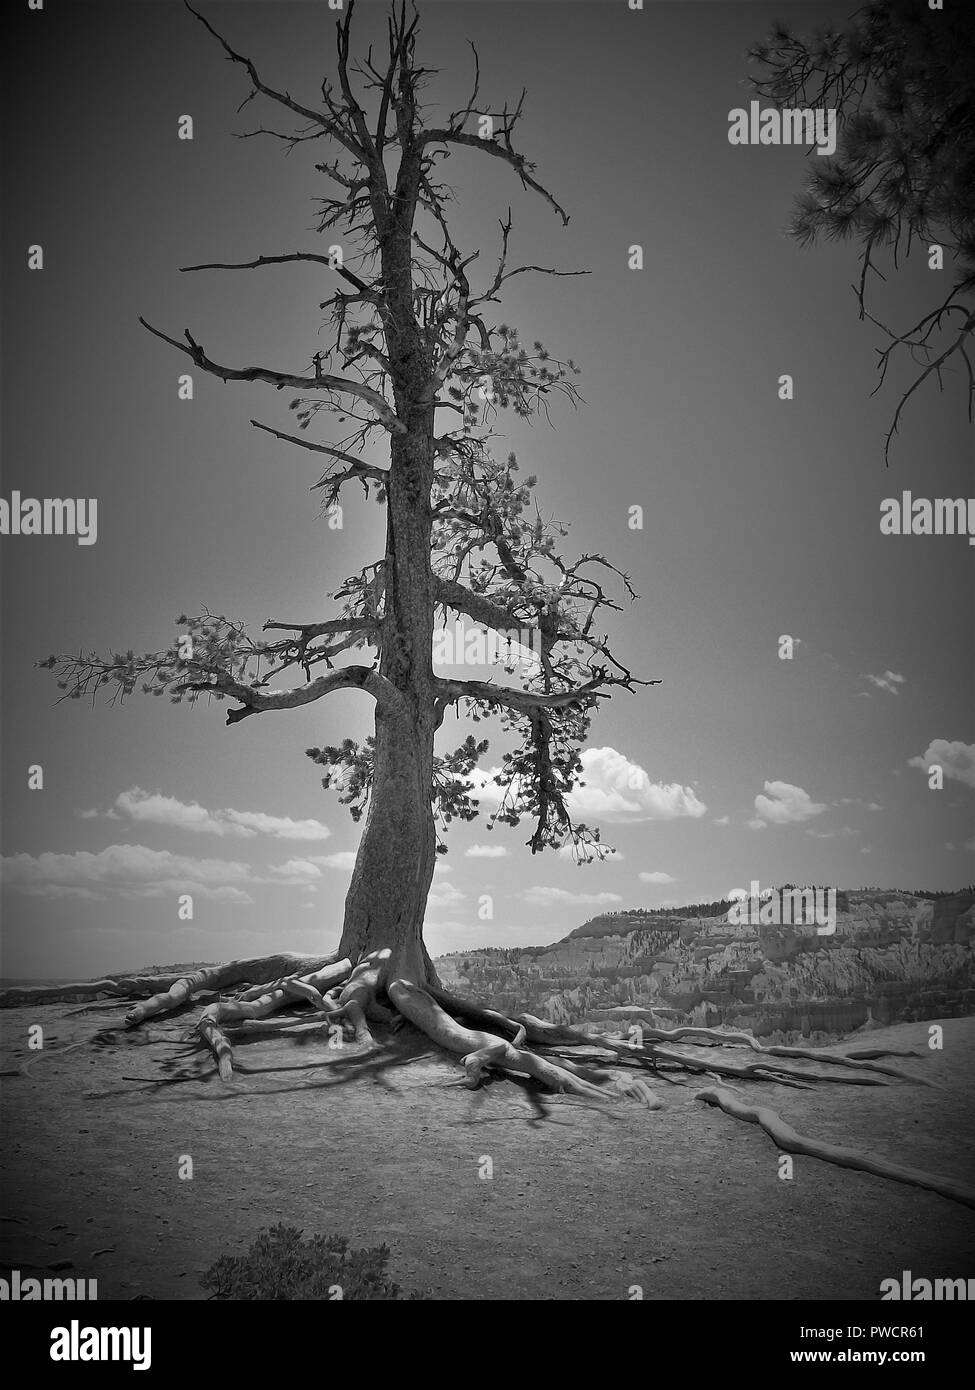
column 174, row 989
column 482, row 1052
column 792, row 1142
column 255, row 972
column 487, row 1041
column 308, row 989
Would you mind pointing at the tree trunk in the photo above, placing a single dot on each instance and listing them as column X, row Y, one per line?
column 386, row 902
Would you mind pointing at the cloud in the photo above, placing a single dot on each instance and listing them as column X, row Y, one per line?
column 155, row 809
column 957, row 759
column 341, row 859
column 889, row 681
column 308, row 868
column 615, row 790
column 844, row 832
column 722, row 820
column 486, row 852
column 132, row 870
column 658, row 877
column 784, row 805
column 549, row 897
column 619, row 790
column 444, row 895
column 297, row 871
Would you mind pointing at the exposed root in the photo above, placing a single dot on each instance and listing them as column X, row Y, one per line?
column 489, row 1043
column 220, row 977
column 483, row 1052
column 787, row 1138
column 359, row 994
column 308, row 989
column 157, row 987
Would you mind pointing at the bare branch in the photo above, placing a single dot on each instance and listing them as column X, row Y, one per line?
column 365, row 291
column 357, row 468
column 518, row 162
column 321, row 381
column 526, row 701
column 477, row 606
column 257, row 701
column 330, row 125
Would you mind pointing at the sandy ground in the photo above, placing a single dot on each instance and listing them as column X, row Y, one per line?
column 584, row 1202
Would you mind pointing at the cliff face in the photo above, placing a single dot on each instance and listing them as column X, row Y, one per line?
column 894, row 957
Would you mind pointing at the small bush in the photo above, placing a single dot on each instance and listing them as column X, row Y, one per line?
column 280, row 1265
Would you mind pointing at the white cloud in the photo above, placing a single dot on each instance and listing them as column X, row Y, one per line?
column 615, row 790
column 549, row 897
column 444, row 895
column 341, row 859
column 957, row 759
column 658, row 877
column 280, row 827
column 297, row 871
column 155, row 809
column 308, row 868
column 722, row 820
column 133, row 870
column 486, row 852
column 619, row 790
column 785, row 805
column 889, row 681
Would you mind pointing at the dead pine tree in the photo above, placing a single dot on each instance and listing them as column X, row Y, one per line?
column 421, row 365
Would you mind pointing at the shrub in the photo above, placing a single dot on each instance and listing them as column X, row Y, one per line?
column 280, row 1265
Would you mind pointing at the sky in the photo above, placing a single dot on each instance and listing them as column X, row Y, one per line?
column 760, row 515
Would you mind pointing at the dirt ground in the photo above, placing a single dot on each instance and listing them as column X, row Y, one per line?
column 584, row 1202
